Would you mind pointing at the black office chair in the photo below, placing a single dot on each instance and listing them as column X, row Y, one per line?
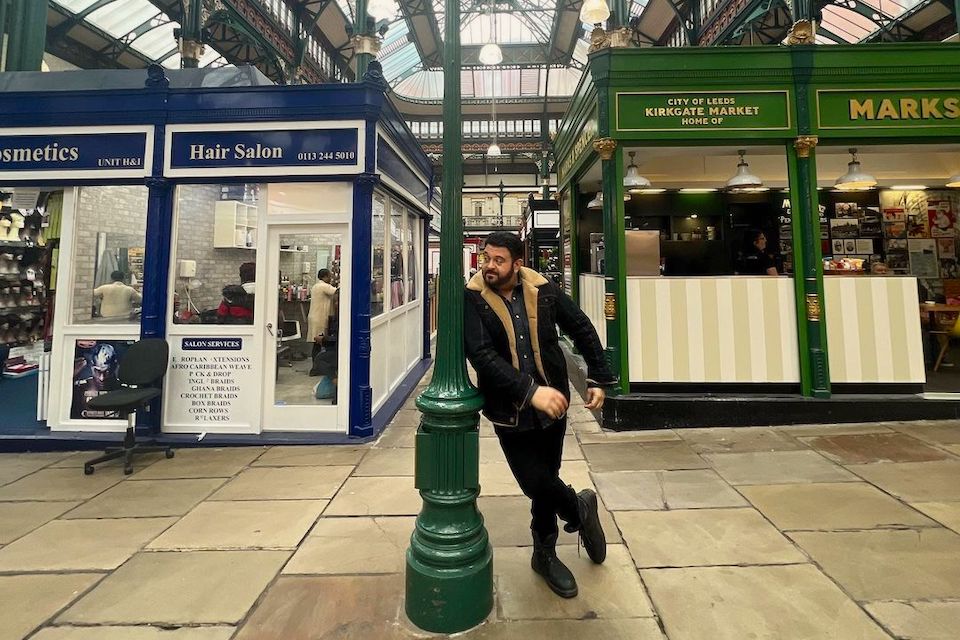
column 140, row 372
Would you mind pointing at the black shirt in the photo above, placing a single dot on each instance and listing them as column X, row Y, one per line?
column 756, row 263
column 525, row 360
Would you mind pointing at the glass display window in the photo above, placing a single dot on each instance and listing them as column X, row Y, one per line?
column 378, row 251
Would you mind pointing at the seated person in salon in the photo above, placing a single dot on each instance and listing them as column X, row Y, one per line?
column 755, row 260
column 237, row 304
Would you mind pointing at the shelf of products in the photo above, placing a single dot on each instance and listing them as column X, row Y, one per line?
column 234, row 225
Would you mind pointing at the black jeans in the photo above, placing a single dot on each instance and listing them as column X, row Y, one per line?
column 534, row 457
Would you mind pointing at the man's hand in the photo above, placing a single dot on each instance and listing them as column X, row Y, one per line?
column 595, row 398
column 550, row 401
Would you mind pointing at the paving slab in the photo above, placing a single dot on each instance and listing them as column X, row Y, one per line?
column 915, row 481
column 81, row 545
column 58, row 485
column 608, row 591
column 571, row 448
column 943, row 432
column 20, row 518
column 311, row 455
column 799, row 430
column 648, row 435
column 376, row 496
column 148, row 498
column 406, row 418
column 178, row 588
column 78, row 459
column 623, row 629
column 946, row 513
column 354, row 546
column 639, row 456
column 918, row 620
column 18, row 465
column 828, row 506
column 701, row 537
column 870, row 448
column 201, row 463
column 247, row 524
column 284, row 483
column 691, row 489
column 777, row 603
column 496, row 479
column 387, row 462
column 507, row 519
column 738, row 440
column 134, row 633
column 777, row 467
column 30, row 600
column 301, row 607
column 396, row 436
column 885, row 564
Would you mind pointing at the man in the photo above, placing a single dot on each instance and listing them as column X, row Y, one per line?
column 117, row 298
column 321, row 299
column 236, row 307
column 510, row 317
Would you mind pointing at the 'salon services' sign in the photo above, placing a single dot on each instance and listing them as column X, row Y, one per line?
column 73, row 154
column 280, row 148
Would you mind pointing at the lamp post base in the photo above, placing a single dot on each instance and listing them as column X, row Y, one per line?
column 449, row 600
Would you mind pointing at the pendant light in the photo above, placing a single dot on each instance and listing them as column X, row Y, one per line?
column 382, row 9
column 633, row 180
column 597, row 202
column 494, row 148
column 490, row 53
column 743, row 180
column 954, row 181
column 594, row 12
column 855, row 179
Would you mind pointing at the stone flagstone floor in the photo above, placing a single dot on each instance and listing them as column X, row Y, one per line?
column 846, row 532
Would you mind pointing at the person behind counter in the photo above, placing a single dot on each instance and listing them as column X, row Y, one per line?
column 117, row 298
column 755, row 260
column 237, row 304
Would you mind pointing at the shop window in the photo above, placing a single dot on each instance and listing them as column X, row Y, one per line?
column 216, row 254
column 477, row 207
column 378, row 273
column 413, row 265
column 397, row 233
column 109, row 241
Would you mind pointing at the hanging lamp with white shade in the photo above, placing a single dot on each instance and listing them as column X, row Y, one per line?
column 382, row 9
column 490, row 53
column 594, row 12
column 744, row 179
column 855, row 179
column 597, row 202
column 633, row 181
column 494, row 148
column 954, row 181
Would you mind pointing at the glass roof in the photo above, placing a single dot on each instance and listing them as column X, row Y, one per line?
column 850, row 21
column 518, row 22
column 140, row 24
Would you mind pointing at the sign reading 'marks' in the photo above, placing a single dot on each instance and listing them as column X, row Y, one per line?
column 881, row 109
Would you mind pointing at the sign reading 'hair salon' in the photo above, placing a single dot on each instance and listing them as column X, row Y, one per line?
column 38, row 153
column 271, row 148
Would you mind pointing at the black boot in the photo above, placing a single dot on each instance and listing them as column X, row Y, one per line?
column 547, row 564
column 591, row 533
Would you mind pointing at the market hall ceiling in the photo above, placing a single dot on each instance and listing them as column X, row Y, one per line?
column 543, row 41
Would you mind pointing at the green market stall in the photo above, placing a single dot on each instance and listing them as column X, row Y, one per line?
column 652, row 231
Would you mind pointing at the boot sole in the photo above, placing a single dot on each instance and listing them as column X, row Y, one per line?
column 593, row 504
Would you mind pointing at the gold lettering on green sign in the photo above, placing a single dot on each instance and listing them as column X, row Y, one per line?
column 905, row 109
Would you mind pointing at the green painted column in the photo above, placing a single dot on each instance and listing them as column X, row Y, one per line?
column 191, row 36
column 808, row 268
column 26, row 34
column 449, row 577
column 364, row 40
column 614, row 259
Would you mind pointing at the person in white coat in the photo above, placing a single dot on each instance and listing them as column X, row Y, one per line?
column 321, row 302
column 117, row 299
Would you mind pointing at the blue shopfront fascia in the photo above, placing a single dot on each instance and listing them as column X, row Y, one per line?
column 40, row 124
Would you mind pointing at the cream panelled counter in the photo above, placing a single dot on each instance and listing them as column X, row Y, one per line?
column 873, row 329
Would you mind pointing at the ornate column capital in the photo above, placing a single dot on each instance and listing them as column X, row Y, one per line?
column 605, row 147
column 366, row 44
column 802, row 32
column 191, row 49
column 804, row 145
column 621, row 37
column 155, row 182
column 599, row 39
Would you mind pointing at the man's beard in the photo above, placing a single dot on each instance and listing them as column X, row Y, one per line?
column 498, row 282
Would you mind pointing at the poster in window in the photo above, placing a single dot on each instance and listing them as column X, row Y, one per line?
column 923, row 258
column 896, row 245
column 942, row 218
column 838, row 248
column 864, row 245
column 894, row 215
column 844, row 228
column 947, row 247
column 95, row 366
column 846, row 210
column 895, row 229
column 949, row 268
column 870, row 223
column 898, row 261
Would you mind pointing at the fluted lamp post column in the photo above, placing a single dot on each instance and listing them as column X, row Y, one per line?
column 449, row 576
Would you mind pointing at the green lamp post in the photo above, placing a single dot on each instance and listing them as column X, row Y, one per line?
column 449, row 577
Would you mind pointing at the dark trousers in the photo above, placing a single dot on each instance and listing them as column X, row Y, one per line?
column 534, row 457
